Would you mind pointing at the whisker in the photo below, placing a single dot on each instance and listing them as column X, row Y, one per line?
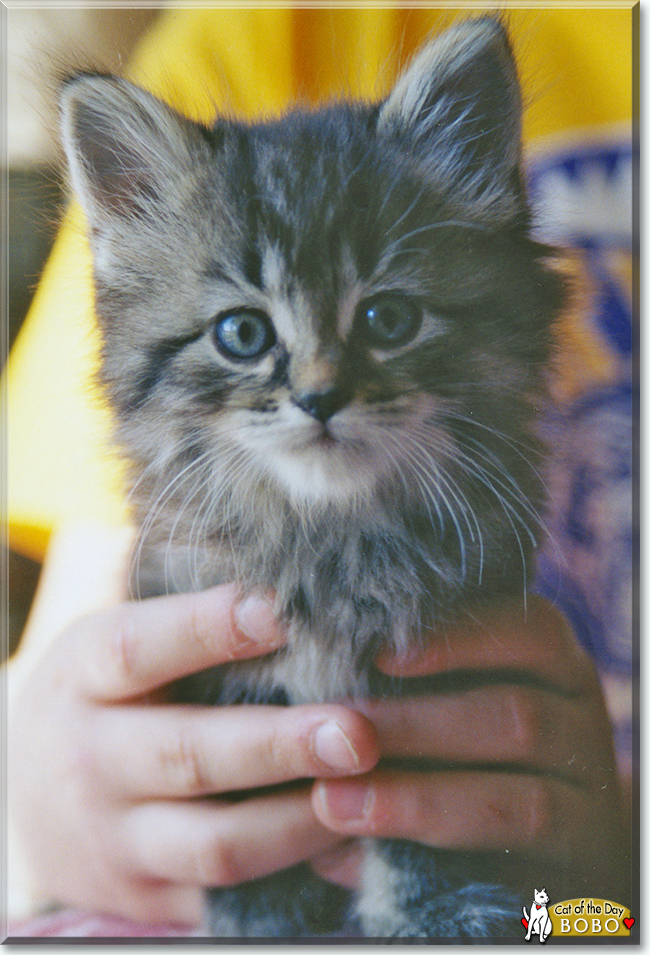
column 153, row 512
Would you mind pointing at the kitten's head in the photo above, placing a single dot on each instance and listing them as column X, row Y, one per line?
column 333, row 305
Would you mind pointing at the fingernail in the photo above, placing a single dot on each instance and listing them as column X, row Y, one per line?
column 255, row 620
column 347, row 802
column 332, row 746
column 341, row 864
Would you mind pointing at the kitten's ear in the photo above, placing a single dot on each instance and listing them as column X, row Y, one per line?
column 124, row 147
column 458, row 106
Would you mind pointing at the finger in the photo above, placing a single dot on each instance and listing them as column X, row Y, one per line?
column 460, row 810
column 504, row 724
column 184, row 751
column 138, row 647
column 533, row 637
column 341, row 865
column 216, row 844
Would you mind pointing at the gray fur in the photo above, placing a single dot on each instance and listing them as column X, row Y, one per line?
column 378, row 486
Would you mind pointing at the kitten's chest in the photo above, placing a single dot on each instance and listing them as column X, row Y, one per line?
column 343, row 590
column 306, row 671
column 340, row 601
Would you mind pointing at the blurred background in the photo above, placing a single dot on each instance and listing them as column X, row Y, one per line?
column 40, row 42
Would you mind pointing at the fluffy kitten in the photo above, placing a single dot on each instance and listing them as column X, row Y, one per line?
column 324, row 338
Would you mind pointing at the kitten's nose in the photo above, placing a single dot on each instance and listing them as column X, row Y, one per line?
column 321, row 405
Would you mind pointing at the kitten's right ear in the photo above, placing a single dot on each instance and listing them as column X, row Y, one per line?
column 124, row 146
column 458, row 108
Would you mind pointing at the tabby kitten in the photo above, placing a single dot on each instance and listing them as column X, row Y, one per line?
column 324, row 338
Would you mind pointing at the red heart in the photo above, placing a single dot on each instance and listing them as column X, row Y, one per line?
column 628, row 923
column 524, row 922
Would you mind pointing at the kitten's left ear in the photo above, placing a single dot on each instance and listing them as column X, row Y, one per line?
column 126, row 149
column 458, row 108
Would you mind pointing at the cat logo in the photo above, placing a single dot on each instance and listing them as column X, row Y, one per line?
column 539, row 921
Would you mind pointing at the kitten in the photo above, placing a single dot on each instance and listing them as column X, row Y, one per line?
column 324, row 338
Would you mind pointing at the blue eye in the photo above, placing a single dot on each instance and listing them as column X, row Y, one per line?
column 389, row 320
column 244, row 334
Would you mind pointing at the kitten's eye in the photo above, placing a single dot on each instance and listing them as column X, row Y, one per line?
column 389, row 320
column 244, row 334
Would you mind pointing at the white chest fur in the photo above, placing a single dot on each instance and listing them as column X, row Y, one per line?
column 313, row 673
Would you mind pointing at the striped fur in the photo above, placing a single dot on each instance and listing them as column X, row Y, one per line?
column 375, row 463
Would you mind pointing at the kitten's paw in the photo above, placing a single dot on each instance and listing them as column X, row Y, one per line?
column 290, row 904
column 477, row 911
column 221, row 923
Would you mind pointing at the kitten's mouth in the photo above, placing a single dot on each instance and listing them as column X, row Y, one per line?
column 324, row 437
column 318, row 461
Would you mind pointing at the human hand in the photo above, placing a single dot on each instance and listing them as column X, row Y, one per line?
column 522, row 763
column 107, row 781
